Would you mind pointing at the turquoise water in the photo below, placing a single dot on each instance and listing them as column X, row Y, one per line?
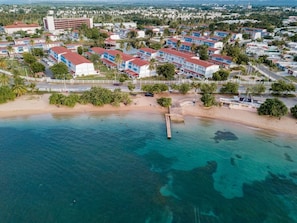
column 121, row 168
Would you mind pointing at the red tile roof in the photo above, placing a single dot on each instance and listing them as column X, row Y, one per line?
column 108, row 62
column 125, row 57
column 98, row 50
column 22, row 25
column 176, row 53
column 149, row 50
column 173, row 40
column 132, row 73
column 201, row 63
column 218, row 62
column 138, row 62
column 60, row 50
column 186, row 44
column 221, row 56
column 109, row 41
column 75, row 58
column 212, row 49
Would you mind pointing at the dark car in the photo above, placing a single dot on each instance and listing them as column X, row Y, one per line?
column 148, row 94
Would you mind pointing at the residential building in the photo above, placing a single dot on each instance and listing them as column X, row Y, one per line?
column 51, row 24
column 187, row 63
column 138, row 68
column 5, row 43
column 236, row 36
column 173, row 56
column 20, row 48
column 20, row 26
column 199, row 68
column 223, row 61
column 184, row 46
column 221, row 34
column 97, row 50
column 147, row 53
column 255, row 33
column 73, row 47
column 3, row 51
column 211, row 50
column 109, row 59
column 196, row 33
column 203, row 41
column 77, row 64
column 134, row 67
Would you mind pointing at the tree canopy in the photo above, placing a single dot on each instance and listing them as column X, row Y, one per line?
column 155, row 88
column 207, row 90
column 282, row 87
column 294, row 111
column 37, row 67
column 60, row 71
column 273, row 107
column 208, row 100
column 6, row 94
column 29, row 58
column 221, row 75
column 164, row 102
column 184, row 88
column 167, row 70
column 231, row 88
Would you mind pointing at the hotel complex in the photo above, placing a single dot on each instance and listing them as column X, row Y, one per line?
column 51, row 24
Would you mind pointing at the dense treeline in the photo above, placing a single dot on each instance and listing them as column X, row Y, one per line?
column 97, row 96
column 35, row 15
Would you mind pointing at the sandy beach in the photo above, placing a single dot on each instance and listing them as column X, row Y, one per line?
column 38, row 104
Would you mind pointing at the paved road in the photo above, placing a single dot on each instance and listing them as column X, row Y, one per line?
column 269, row 73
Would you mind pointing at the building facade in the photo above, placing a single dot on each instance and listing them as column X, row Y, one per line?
column 188, row 63
column 51, row 24
column 20, row 26
column 77, row 64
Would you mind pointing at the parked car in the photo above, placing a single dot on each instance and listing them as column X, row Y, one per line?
column 148, row 94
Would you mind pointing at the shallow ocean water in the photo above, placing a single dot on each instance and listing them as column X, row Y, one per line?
column 122, row 168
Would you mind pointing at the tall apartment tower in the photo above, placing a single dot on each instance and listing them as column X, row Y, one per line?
column 51, row 24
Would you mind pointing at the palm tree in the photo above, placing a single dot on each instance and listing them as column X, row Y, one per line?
column 122, row 45
column 19, row 89
column 4, row 80
column 152, row 65
column 47, row 39
column 193, row 47
column 9, row 50
column 195, row 85
column 31, row 44
column 178, row 44
column 3, row 64
column 118, row 60
column 32, row 87
column 128, row 46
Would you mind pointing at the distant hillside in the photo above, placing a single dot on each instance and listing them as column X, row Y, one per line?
column 161, row 2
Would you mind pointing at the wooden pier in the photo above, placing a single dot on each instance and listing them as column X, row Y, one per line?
column 168, row 125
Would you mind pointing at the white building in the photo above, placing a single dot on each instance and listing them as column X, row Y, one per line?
column 187, row 63
column 20, row 26
column 138, row 68
column 199, row 68
column 77, row 64
column 147, row 53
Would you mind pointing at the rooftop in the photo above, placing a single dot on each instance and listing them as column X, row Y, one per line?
column 75, row 58
column 201, row 63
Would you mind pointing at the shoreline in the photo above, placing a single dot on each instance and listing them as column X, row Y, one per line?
column 31, row 105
